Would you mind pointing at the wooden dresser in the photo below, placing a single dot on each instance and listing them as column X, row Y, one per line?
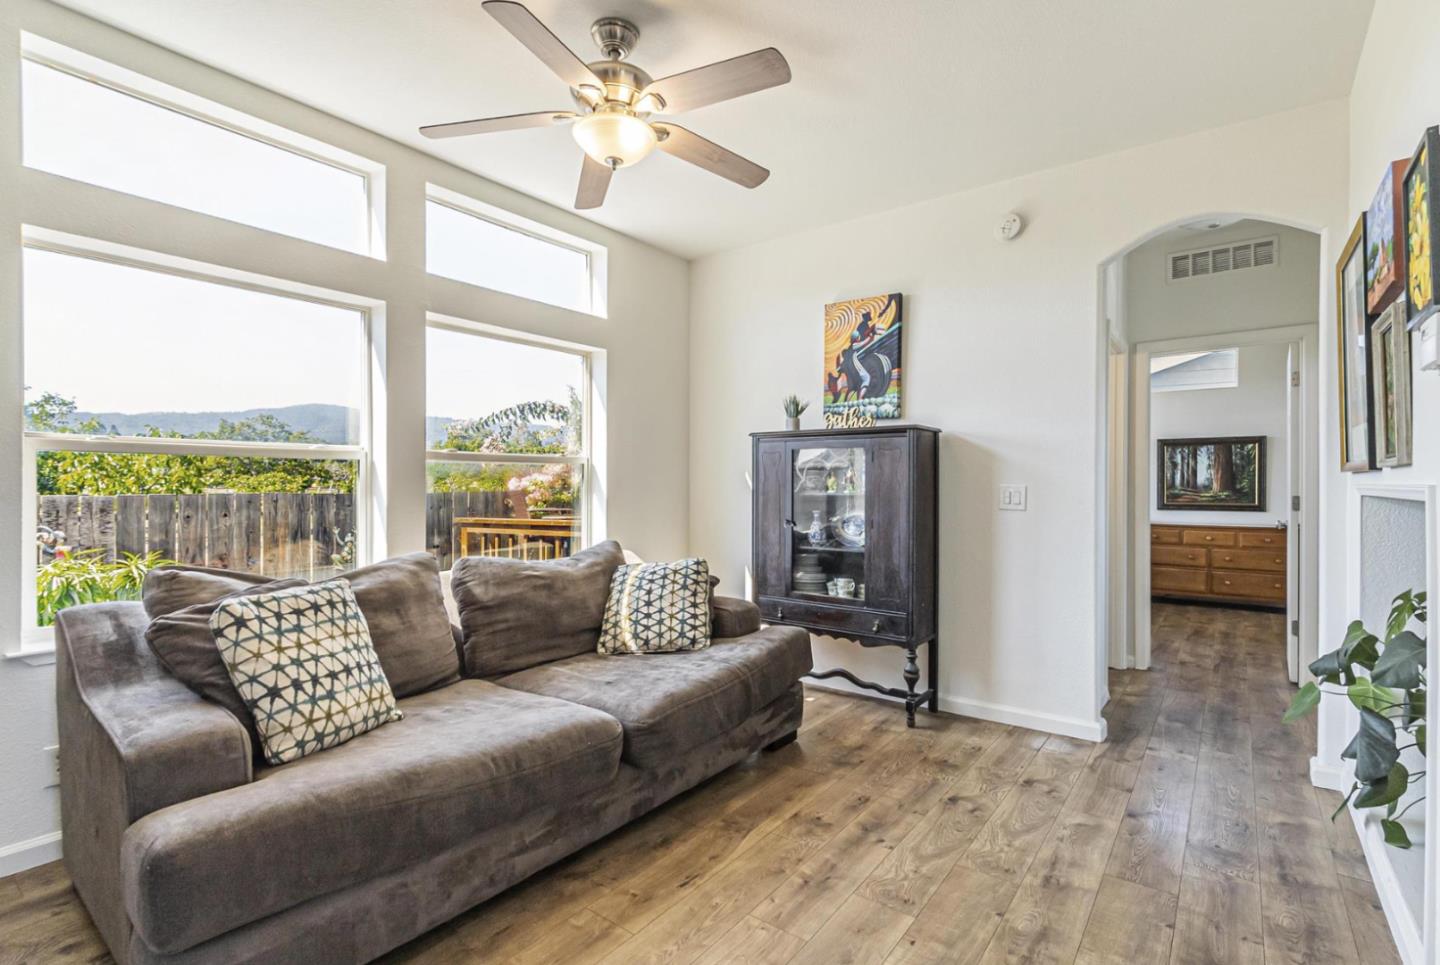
column 1221, row 564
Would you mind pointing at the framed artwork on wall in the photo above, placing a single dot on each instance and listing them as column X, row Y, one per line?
column 862, row 360
column 1224, row 473
column 1357, row 452
column 1390, row 384
column 1385, row 240
column 1422, row 231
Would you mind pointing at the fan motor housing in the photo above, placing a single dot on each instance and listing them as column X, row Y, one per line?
column 623, row 83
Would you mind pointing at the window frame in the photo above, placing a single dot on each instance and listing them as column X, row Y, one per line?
column 1201, row 386
column 35, row 639
column 82, row 66
column 584, row 459
column 596, row 255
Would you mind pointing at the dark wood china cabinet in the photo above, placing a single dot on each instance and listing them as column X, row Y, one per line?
column 844, row 542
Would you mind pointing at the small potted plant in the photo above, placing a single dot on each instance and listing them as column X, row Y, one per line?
column 1390, row 696
column 793, row 408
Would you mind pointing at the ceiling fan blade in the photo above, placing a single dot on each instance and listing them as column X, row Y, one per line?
column 720, row 81
column 594, row 182
column 489, row 125
column 689, row 146
column 527, row 29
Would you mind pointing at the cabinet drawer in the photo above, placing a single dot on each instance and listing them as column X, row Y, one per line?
column 1272, row 538
column 1178, row 556
column 1251, row 586
column 1208, row 537
column 1271, row 561
column 836, row 620
column 1165, row 534
column 1179, row 579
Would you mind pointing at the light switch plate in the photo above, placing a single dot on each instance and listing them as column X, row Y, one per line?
column 1012, row 497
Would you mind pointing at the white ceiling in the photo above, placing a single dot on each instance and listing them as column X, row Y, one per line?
column 891, row 103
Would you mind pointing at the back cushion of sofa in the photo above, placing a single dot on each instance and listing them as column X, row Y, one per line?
column 409, row 627
column 170, row 588
column 515, row 614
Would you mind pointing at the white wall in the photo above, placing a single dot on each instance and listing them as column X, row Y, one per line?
column 1255, row 407
column 645, row 340
column 1002, row 352
column 1286, row 294
column 1391, row 103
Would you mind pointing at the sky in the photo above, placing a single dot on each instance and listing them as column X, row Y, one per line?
column 125, row 339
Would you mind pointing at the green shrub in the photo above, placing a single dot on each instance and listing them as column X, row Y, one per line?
column 87, row 578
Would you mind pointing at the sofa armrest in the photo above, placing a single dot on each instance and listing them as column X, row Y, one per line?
column 733, row 617
column 133, row 739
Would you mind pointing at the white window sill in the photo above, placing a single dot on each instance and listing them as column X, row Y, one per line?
column 38, row 655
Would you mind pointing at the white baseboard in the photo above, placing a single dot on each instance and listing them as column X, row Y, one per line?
column 1407, row 932
column 23, row 855
column 999, row 713
column 1332, row 777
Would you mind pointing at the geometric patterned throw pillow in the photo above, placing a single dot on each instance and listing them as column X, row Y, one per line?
column 303, row 663
column 657, row 608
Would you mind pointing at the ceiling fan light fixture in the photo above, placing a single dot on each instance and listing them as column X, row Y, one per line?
column 615, row 138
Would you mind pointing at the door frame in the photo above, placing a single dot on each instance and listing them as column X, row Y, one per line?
column 1302, row 610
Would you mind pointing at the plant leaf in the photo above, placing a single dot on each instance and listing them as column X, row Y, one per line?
column 1352, row 749
column 1384, row 791
column 1305, row 701
column 1327, row 667
column 1420, row 739
column 1376, row 752
column 1395, row 835
column 1401, row 663
column 1363, row 693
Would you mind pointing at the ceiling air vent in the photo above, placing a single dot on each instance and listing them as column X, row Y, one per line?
column 1259, row 253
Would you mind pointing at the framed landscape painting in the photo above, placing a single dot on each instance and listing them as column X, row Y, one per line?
column 1422, row 230
column 1357, row 452
column 1225, row 473
column 1385, row 240
column 1390, row 382
column 862, row 360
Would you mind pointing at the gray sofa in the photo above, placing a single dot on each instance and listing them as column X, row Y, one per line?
column 186, row 849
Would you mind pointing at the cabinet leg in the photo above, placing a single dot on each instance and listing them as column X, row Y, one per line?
column 912, row 677
column 933, row 680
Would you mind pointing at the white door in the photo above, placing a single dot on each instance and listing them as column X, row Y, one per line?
column 1290, row 509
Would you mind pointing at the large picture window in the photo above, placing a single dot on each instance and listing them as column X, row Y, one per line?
column 173, row 418
column 509, row 453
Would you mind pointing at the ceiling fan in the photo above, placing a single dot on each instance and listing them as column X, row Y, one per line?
column 616, row 100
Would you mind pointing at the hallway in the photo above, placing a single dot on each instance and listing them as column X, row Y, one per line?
column 1222, row 812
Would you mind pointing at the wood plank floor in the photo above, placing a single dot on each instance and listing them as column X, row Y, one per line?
column 1191, row 836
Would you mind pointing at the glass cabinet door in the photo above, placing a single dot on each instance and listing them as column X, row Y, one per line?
column 828, row 526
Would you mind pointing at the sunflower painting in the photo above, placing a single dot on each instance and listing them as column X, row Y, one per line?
column 1421, row 228
column 862, row 360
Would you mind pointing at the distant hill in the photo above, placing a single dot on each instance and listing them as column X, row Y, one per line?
column 327, row 423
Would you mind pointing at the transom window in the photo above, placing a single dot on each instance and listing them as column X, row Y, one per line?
column 113, row 137
column 1190, row 371
column 508, row 460
column 481, row 245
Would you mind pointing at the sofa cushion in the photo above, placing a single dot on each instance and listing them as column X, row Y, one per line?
column 302, row 661
column 466, row 758
column 657, row 608
column 669, row 703
column 185, row 645
column 519, row 613
column 405, row 609
column 400, row 597
column 731, row 617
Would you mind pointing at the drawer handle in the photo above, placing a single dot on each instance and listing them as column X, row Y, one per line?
column 1279, row 586
column 1190, row 556
column 875, row 627
column 1229, row 558
column 779, row 613
column 1227, row 582
column 1279, row 560
column 1209, row 538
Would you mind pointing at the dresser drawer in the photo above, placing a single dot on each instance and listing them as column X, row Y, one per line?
column 836, row 620
column 1165, row 535
column 1250, row 586
column 1178, row 556
column 1208, row 537
column 1271, row 561
column 1178, row 579
column 1274, row 538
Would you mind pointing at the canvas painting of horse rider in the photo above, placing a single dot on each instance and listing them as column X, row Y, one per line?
column 862, row 359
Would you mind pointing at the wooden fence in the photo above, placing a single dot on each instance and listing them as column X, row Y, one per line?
column 279, row 534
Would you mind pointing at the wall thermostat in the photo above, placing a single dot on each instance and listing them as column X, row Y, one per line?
column 1009, row 227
